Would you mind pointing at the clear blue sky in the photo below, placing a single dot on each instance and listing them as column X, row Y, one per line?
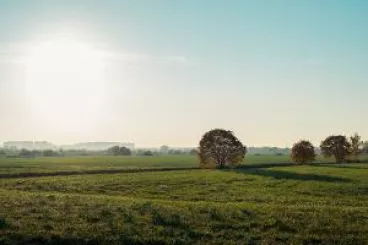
column 273, row 72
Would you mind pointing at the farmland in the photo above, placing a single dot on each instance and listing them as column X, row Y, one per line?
column 264, row 202
column 96, row 163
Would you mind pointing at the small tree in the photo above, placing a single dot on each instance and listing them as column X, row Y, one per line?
column 25, row 153
column 337, row 146
column 356, row 146
column 303, row 152
column 164, row 149
column 115, row 150
column 147, row 153
column 220, row 147
column 119, row 151
column 49, row 153
column 125, row 151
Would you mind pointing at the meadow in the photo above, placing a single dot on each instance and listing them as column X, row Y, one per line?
column 123, row 163
column 265, row 201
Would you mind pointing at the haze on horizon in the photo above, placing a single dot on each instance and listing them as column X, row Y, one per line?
column 165, row 72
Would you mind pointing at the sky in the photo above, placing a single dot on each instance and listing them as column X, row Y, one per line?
column 165, row 72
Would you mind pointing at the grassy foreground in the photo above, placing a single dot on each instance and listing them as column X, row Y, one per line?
column 322, row 204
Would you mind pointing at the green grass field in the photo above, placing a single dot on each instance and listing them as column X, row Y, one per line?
column 317, row 204
column 80, row 164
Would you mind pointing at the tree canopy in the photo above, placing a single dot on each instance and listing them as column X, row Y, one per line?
column 220, row 147
column 337, row 146
column 303, row 152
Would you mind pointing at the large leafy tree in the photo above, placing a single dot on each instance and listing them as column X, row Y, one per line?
column 303, row 152
column 220, row 147
column 337, row 146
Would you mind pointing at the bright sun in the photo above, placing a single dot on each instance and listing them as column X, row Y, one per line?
column 65, row 79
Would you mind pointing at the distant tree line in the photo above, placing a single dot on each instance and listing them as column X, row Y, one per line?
column 220, row 148
column 29, row 153
column 165, row 150
column 112, row 151
column 14, row 152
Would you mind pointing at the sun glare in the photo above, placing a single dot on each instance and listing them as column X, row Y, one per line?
column 65, row 78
